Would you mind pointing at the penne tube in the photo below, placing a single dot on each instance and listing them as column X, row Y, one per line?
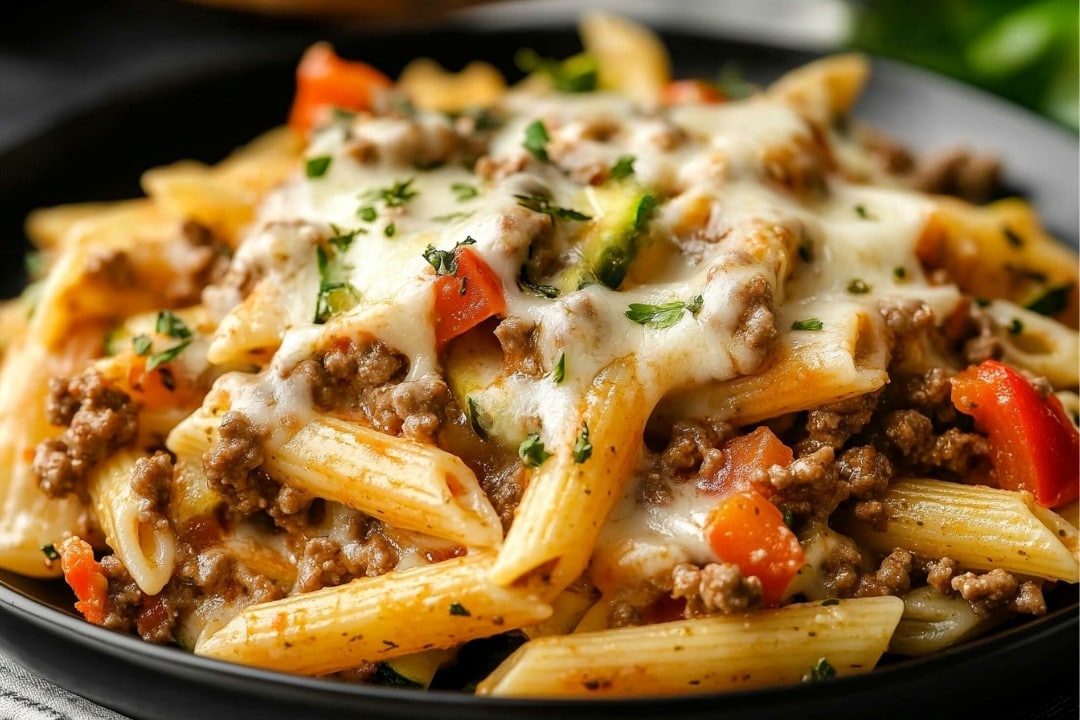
column 1037, row 343
column 981, row 528
column 374, row 619
column 402, row 482
column 703, row 655
column 566, row 502
column 147, row 548
column 846, row 358
column 933, row 622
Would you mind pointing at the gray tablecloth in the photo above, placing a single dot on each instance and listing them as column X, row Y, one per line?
column 25, row 696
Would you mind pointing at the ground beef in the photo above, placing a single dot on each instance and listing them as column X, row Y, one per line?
column 123, row 597
column 909, row 432
column 321, row 565
column 290, row 509
column 623, row 614
column 972, row 176
column 716, row 587
column 366, row 378
column 152, row 482
column 371, row 554
column 233, row 465
column 928, row 392
column 893, row 576
column 207, row 570
column 756, row 326
column 517, row 336
column 112, row 268
column 832, row 425
column 689, row 444
column 867, row 473
column 810, row 485
column 939, row 574
column 841, row 570
column 999, row 589
column 105, row 419
column 504, row 489
column 906, row 321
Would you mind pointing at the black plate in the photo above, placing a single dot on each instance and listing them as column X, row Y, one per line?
column 98, row 154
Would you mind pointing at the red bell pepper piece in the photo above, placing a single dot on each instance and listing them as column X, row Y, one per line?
column 324, row 80
column 744, row 456
column 1033, row 444
column 685, row 92
column 467, row 298
column 748, row 530
column 84, row 575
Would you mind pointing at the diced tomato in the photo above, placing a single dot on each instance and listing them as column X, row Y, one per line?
column 749, row 531
column 324, row 80
column 84, row 575
column 467, row 298
column 685, row 92
column 156, row 388
column 1033, row 444
column 744, row 457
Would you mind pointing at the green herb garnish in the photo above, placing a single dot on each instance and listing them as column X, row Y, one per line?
column 536, row 140
column 858, row 286
column 480, row 420
column 464, row 191
column 582, row 446
column 1016, row 327
column 807, row 324
column 459, row 609
column 540, row 204
column 575, row 74
column 664, row 315
column 141, row 344
column 532, row 452
column 50, row 551
column 861, row 211
column 396, row 195
column 335, row 295
column 558, row 373
column 367, row 213
column 169, row 324
column 316, row 167
column 821, row 670
column 899, row 272
column 731, row 82
column 390, row 230
column 1052, row 301
column 623, row 167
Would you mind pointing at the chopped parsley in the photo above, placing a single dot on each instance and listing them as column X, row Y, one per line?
column 660, row 317
column 540, row 204
column 858, row 286
column 390, row 230
column 1052, row 301
column 861, row 211
column 367, row 213
column 464, row 191
column 582, row 446
column 396, row 195
column 558, row 373
column 141, row 344
column 732, row 83
column 343, row 239
column 899, row 272
column 623, row 167
column 50, row 552
column 1012, row 237
column 335, row 295
column 316, row 167
column 480, row 420
column 789, row 517
column 450, row 217
column 169, row 324
column 532, row 452
column 575, row 74
column 36, row 265
column 548, row 291
column 536, row 140
column 821, row 670
column 166, row 356
column 807, row 324
column 1016, row 327
column 460, row 610
column 445, row 261
column 830, row 601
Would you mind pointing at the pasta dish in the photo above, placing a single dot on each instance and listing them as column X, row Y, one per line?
column 662, row 386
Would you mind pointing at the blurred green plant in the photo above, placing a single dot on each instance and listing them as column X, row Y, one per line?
column 1028, row 52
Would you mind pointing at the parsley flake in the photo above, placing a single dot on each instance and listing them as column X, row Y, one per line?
column 335, row 295
column 536, row 140
column 459, row 610
column 451, row 217
column 575, row 74
column 623, row 167
column 1016, row 327
column 169, row 324
column 582, row 446
column 166, row 356
column 807, row 324
column 858, row 286
column 532, row 452
column 343, row 239
column 316, row 167
column 464, row 191
column 899, row 272
column 821, row 670
column 141, row 344
column 664, row 315
column 50, row 552
column 540, row 204
column 1052, row 301
column 862, row 212
column 830, row 601
column 396, row 195
column 558, row 373
column 367, row 213
column 390, row 230
column 548, row 291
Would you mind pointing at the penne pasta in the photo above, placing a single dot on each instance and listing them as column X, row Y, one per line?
column 374, row 619
column 704, row 655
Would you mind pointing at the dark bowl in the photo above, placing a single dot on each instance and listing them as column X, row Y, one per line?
column 1026, row 670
